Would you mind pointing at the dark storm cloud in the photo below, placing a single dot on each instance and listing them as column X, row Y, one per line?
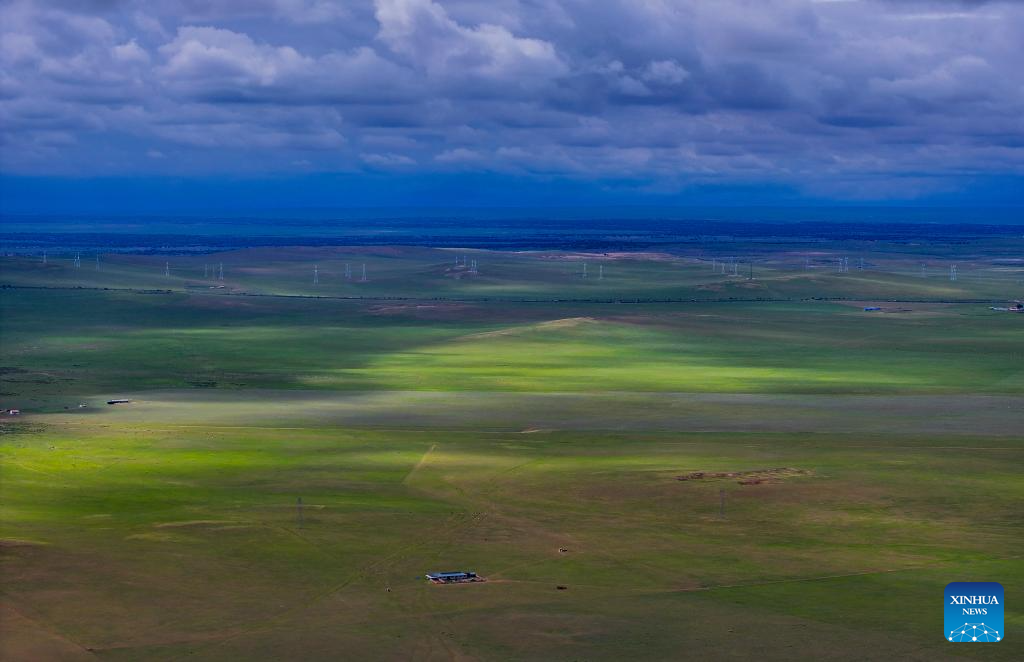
column 815, row 94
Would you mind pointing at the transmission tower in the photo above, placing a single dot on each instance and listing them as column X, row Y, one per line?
column 316, row 275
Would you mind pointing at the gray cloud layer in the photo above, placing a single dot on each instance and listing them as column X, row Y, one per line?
column 849, row 97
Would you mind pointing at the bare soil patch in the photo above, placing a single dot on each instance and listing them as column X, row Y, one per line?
column 426, row 310
column 23, row 638
column 753, row 477
column 198, row 523
column 8, row 543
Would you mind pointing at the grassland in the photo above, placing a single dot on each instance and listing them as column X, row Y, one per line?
column 435, row 420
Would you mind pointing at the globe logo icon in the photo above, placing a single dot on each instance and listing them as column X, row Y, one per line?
column 974, row 632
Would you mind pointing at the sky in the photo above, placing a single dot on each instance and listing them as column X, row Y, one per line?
column 152, row 105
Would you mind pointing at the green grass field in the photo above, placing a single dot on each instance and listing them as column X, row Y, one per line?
column 442, row 422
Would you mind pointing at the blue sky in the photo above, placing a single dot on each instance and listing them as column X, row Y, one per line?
column 182, row 103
